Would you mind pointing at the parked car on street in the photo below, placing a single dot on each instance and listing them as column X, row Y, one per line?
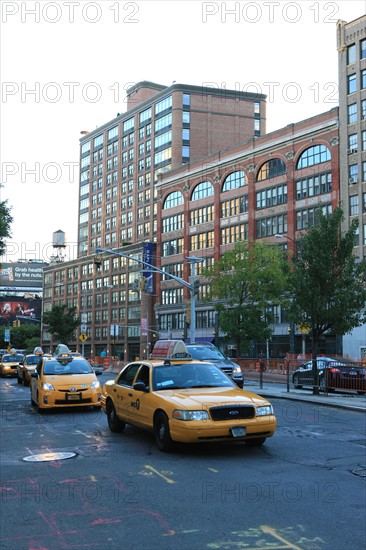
column 303, row 376
column 208, row 352
column 181, row 399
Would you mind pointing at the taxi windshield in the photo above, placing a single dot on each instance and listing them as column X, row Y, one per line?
column 33, row 359
column 67, row 367
column 189, row 375
column 12, row 358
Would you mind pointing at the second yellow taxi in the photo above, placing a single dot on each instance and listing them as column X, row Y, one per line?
column 184, row 400
column 64, row 381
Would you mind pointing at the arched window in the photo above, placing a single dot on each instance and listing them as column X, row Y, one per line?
column 271, row 169
column 234, row 180
column 173, row 199
column 313, row 155
column 202, row 190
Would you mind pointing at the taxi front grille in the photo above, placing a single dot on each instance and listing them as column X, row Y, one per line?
column 232, row 412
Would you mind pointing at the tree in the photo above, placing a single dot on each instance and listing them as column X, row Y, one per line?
column 328, row 282
column 242, row 283
column 5, row 221
column 62, row 322
column 26, row 336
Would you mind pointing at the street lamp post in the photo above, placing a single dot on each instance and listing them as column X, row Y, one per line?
column 192, row 286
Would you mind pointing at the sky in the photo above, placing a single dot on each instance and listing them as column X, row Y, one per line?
column 66, row 66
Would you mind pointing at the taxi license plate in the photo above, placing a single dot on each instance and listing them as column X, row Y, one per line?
column 73, row 396
column 238, row 431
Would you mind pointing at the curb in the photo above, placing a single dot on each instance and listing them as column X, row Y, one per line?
column 313, row 401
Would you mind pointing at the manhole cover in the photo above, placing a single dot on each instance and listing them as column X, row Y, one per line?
column 46, row 457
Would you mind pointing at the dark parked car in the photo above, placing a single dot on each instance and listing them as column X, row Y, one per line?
column 208, row 352
column 333, row 373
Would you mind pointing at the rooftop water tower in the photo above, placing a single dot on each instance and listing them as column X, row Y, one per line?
column 58, row 243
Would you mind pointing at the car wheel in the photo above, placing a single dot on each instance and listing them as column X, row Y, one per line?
column 162, row 432
column 296, row 382
column 114, row 423
column 322, row 385
column 257, row 442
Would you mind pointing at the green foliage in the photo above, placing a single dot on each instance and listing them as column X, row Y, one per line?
column 26, row 336
column 62, row 322
column 5, row 222
column 328, row 282
column 242, row 283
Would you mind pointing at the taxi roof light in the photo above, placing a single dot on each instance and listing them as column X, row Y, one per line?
column 170, row 349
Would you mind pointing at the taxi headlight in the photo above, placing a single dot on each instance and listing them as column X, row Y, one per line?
column 47, row 386
column 264, row 411
column 96, row 384
column 190, row 415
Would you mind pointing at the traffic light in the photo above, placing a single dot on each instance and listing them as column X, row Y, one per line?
column 16, row 323
column 196, row 286
column 97, row 261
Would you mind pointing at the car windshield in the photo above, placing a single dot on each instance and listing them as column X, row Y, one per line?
column 205, row 352
column 67, row 367
column 189, row 375
column 12, row 358
column 33, row 359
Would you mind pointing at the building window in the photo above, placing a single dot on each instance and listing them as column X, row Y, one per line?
column 352, row 143
column 351, row 54
column 163, row 140
column 128, row 125
column 307, row 217
column 351, row 83
column 202, row 190
column 363, row 79
column 352, row 113
column 364, row 170
column 203, row 240
column 353, row 173
column 172, row 296
column 186, row 100
column 271, row 169
column 186, row 117
column 265, row 227
column 202, row 215
column 313, row 155
column 163, row 105
column 353, row 205
column 234, row 207
column 363, row 48
column 234, row 233
column 314, row 185
column 234, row 180
column 172, row 247
column 173, row 199
column 145, row 116
column 173, row 223
column 271, row 196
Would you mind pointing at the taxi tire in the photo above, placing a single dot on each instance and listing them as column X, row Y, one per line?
column 114, row 423
column 162, row 432
column 296, row 382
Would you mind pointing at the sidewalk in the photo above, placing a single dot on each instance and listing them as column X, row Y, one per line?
column 340, row 399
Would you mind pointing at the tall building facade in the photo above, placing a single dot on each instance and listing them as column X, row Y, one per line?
column 351, row 45
column 163, row 128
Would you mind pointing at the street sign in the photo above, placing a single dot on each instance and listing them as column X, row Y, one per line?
column 83, row 328
column 83, row 337
column 304, row 329
column 7, row 335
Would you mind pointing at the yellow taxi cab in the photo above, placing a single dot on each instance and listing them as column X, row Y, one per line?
column 25, row 368
column 9, row 363
column 64, row 381
column 184, row 400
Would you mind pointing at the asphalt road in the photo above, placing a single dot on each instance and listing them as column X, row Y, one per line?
column 304, row 489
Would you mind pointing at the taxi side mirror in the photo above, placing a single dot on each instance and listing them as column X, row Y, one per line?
column 34, row 375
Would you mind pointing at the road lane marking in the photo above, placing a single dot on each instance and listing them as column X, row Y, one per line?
column 167, row 479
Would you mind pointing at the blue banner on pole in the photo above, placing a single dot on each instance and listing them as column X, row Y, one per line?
column 149, row 258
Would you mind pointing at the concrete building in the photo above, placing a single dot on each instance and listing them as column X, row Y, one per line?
column 351, row 45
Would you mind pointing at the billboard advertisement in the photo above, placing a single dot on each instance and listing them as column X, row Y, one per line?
column 21, row 276
column 20, row 308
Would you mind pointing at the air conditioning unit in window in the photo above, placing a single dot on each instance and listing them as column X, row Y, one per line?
column 352, row 150
column 353, row 180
